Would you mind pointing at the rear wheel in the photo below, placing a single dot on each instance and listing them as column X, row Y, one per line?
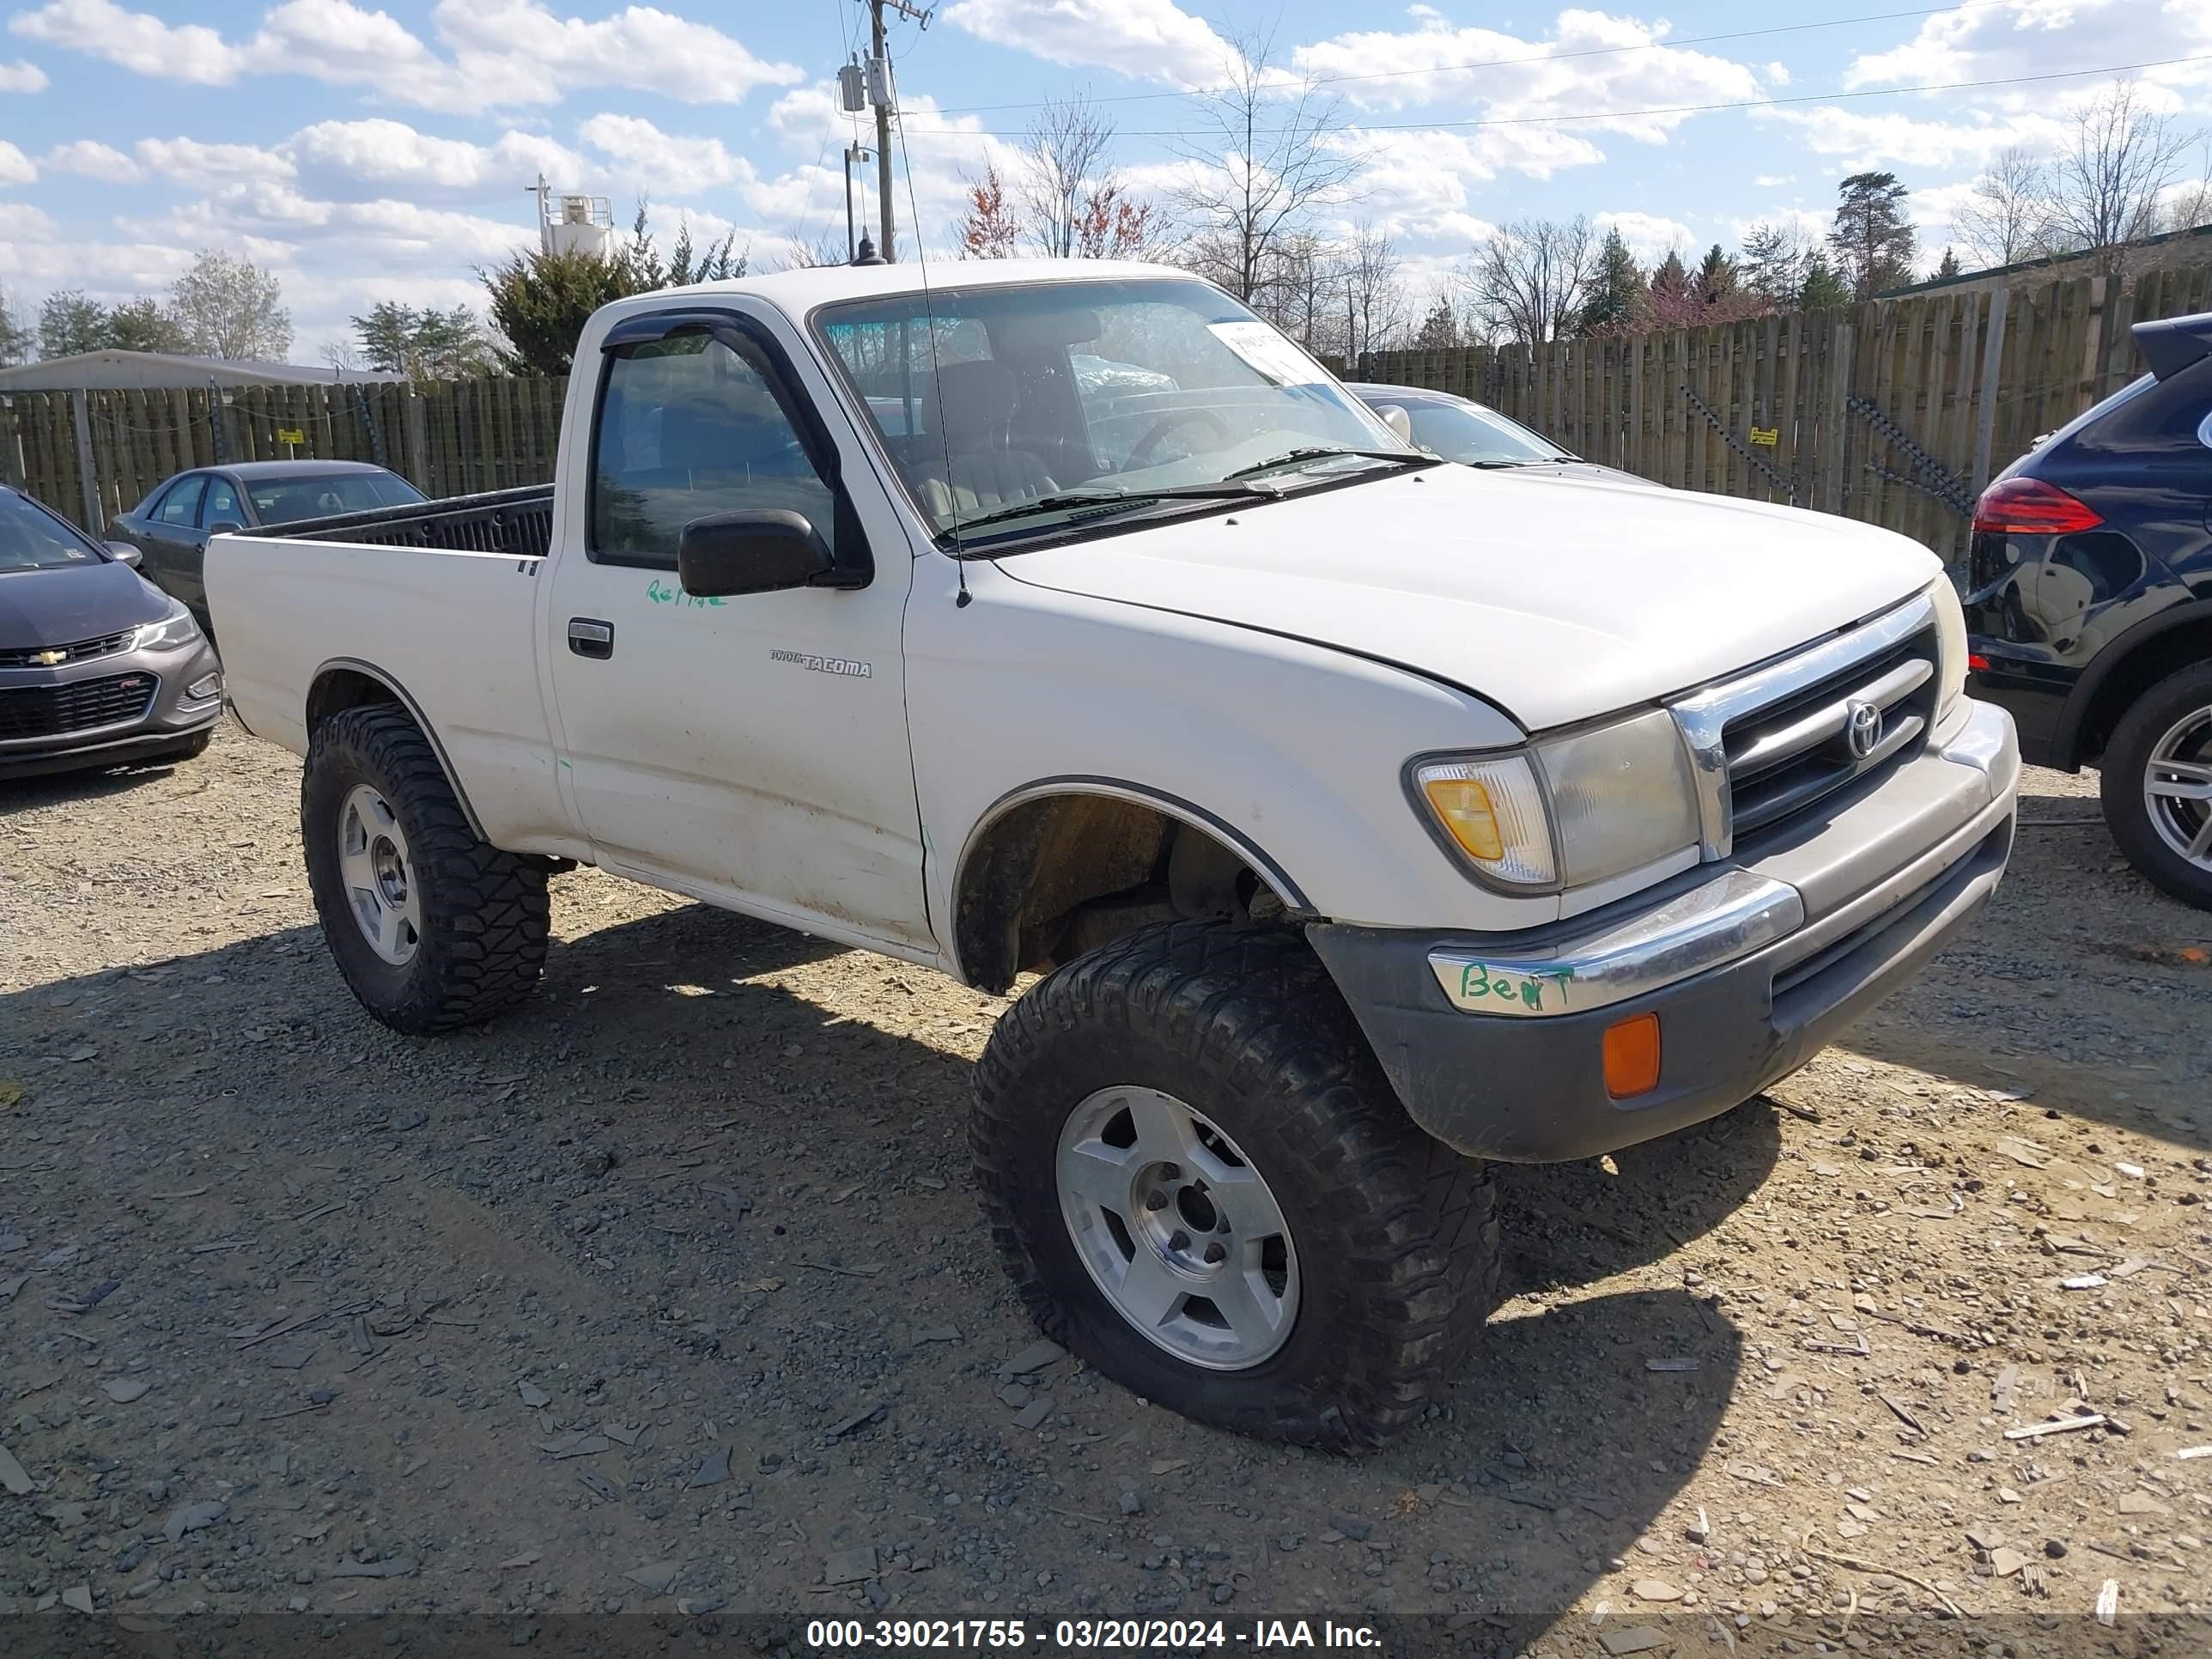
column 431, row 929
column 2157, row 784
column 1203, row 1186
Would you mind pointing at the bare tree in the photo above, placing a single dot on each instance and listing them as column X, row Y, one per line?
column 1060, row 160
column 2008, row 218
column 2107, row 181
column 1272, row 157
column 1374, row 304
column 1528, row 280
column 2190, row 205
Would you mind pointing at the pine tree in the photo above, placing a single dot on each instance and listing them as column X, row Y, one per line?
column 1822, row 288
column 1439, row 330
column 1618, row 295
column 1873, row 244
column 1948, row 267
column 1716, row 277
column 1773, row 264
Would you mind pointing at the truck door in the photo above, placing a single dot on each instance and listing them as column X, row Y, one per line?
column 751, row 749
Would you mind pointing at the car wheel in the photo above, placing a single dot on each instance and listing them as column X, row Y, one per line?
column 1203, row 1186
column 431, row 929
column 2157, row 784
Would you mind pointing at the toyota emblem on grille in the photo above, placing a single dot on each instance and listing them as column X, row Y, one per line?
column 1861, row 728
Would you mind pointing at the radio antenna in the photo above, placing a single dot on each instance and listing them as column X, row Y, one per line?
column 936, row 378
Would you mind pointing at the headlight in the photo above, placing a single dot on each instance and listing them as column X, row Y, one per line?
column 1951, row 634
column 173, row 633
column 1569, row 811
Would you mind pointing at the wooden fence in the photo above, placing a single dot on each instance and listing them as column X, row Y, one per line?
column 93, row 454
column 1896, row 411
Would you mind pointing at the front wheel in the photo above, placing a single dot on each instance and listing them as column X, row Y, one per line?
column 431, row 929
column 1203, row 1186
column 2157, row 785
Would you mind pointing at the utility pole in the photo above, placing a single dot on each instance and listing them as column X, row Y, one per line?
column 880, row 92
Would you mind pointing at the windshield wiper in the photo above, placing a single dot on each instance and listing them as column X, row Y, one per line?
column 1330, row 451
column 1531, row 460
column 1113, row 501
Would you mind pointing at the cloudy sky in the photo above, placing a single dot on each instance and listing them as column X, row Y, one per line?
column 368, row 153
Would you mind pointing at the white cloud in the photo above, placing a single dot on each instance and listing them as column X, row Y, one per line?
column 93, row 160
column 638, row 46
column 135, row 41
column 504, row 51
column 1867, row 139
column 15, row 167
column 1151, row 40
column 189, row 161
column 22, row 76
column 1621, row 67
column 1650, row 236
column 380, row 157
column 2009, row 38
column 659, row 163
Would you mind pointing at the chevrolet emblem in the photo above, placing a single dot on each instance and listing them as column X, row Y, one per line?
column 48, row 659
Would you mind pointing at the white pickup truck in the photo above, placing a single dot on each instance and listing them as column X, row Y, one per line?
column 1369, row 818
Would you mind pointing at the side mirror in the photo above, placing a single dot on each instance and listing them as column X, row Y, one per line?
column 763, row 550
column 123, row 553
column 226, row 527
column 1395, row 416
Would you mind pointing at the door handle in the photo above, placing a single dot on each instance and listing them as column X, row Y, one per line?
column 590, row 637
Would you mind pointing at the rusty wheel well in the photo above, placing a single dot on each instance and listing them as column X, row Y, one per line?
column 1054, row 877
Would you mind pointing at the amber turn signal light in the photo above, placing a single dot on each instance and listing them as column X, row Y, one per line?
column 1632, row 1056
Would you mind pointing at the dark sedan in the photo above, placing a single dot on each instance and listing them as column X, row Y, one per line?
column 172, row 525
column 97, row 667
column 2091, row 604
column 1475, row 434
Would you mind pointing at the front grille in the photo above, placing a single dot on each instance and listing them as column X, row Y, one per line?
column 42, row 656
column 55, row 711
column 1787, row 756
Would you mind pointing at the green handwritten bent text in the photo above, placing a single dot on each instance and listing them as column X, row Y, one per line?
column 660, row 592
column 1477, row 980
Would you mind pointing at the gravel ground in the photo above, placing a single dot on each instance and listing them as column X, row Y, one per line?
column 667, row 1294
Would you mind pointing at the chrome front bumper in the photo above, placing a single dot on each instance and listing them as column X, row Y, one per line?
column 1868, row 860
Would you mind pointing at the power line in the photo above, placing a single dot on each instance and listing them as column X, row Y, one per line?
column 1514, row 62
column 1631, row 114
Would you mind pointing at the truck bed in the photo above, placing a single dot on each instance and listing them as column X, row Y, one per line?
column 439, row 603
column 516, row 521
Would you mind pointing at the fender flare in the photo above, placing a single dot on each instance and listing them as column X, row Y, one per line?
column 401, row 696
column 1160, row 800
column 2074, row 714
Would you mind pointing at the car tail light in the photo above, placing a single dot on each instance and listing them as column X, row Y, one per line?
column 2029, row 507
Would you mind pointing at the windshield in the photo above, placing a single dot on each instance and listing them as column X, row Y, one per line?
column 1471, row 435
column 282, row 500
column 992, row 401
column 32, row 538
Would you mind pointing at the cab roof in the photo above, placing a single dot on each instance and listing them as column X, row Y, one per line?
column 797, row 292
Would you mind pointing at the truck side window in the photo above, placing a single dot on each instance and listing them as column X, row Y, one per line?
column 686, row 428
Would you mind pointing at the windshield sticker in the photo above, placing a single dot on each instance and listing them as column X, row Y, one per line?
column 1265, row 351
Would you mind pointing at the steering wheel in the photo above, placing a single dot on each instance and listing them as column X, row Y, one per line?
column 1141, row 451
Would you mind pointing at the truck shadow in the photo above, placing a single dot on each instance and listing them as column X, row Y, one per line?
column 672, row 1110
column 1569, row 1224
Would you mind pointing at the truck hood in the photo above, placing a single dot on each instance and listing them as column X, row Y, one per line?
column 1557, row 599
